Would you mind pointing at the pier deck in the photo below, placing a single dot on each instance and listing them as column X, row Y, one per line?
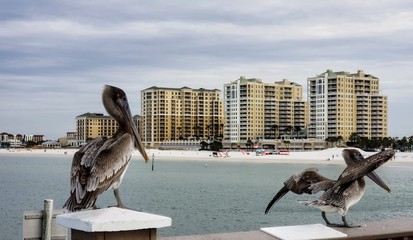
column 388, row 229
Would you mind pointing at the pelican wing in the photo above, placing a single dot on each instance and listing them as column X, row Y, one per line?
column 305, row 181
column 110, row 162
column 363, row 167
column 323, row 185
column 79, row 174
column 82, row 161
column 308, row 181
column 95, row 167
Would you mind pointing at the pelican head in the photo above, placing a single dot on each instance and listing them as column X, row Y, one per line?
column 352, row 156
column 116, row 104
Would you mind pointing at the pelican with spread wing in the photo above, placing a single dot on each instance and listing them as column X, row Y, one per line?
column 339, row 195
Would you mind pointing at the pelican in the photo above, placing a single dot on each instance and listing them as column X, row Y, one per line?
column 339, row 194
column 101, row 164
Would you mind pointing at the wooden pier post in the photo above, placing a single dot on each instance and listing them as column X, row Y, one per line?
column 153, row 161
column 47, row 219
column 41, row 224
column 113, row 223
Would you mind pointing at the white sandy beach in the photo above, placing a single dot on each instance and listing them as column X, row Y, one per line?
column 327, row 156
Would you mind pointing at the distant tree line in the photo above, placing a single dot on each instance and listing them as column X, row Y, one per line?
column 215, row 145
column 355, row 140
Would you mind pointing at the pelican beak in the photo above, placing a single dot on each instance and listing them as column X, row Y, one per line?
column 375, row 178
column 138, row 143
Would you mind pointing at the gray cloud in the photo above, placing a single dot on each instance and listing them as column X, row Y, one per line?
column 56, row 56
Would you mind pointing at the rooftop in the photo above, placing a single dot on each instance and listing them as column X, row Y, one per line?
column 287, row 82
column 92, row 115
column 243, row 79
column 181, row 89
column 360, row 73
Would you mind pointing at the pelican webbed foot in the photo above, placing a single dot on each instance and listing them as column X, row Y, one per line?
column 348, row 225
column 329, row 224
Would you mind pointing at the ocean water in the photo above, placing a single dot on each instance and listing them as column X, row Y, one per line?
column 200, row 199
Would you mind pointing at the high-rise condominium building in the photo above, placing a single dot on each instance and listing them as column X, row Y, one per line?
column 92, row 125
column 286, row 98
column 180, row 113
column 256, row 110
column 342, row 103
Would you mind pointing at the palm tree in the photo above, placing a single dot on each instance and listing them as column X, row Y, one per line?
column 287, row 144
column 221, row 129
column 204, row 145
column 410, row 143
column 393, row 142
column 363, row 142
column 209, row 126
column 330, row 141
column 213, row 129
column 402, row 144
column 354, row 137
column 288, row 130
column 180, row 133
column 197, row 128
column 297, row 129
column 276, row 129
column 215, row 145
column 339, row 139
column 249, row 144
column 386, row 142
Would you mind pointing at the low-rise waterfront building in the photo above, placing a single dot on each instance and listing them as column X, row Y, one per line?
column 70, row 140
column 4, row 136
column 19, row 140
column 51, row 144
column 92, row 125
column 191, row 145
column 38, row 138
column 12, row 143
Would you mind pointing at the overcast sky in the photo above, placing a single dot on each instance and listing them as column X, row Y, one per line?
column 55, row 56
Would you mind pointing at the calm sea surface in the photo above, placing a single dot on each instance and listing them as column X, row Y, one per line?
column 222, row 197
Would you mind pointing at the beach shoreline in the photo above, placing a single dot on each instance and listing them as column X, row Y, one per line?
column 325, row 157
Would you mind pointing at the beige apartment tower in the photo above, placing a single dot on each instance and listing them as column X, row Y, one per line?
column 180, row 114
column 342, row 103
column 256, row 110
column 290, row 109
column 93, row 125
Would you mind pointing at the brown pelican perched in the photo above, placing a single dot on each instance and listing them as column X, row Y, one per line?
column 102, row 163
column 339, row 194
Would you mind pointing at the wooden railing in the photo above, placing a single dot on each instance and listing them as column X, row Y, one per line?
column 394, row 229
